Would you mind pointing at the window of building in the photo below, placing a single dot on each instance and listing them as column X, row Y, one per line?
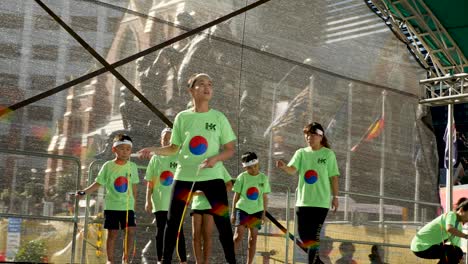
column 9, row 50
column 45, row 22
column 42, row 82
column 105, row 51
column 128, row 70
column 78, row 54
column 45, row 52
column 113, row 24
column 84, row 23
column 4, row 130
column 40, row 113
column 35, row 143
column 8, row 80
column 11, row 21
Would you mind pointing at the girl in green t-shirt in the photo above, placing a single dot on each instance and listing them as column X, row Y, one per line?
column 318, row 180
column 430, row 241
column 120, row 178
column 159, row 177
column 250, row 202
column 202, row 138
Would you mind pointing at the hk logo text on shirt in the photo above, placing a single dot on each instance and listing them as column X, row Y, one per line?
column 210, row 126
column 319, row 160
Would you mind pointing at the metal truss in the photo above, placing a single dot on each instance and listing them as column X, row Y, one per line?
column 445, row 90
column 440, row 54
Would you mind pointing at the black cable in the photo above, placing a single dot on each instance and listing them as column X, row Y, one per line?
column 284, row 230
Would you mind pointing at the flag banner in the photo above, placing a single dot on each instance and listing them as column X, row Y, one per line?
column 454, row 145
column 374, row 130
column 296, row 110
column 336, row 128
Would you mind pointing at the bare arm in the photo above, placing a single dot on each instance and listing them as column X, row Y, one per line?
column 228, row 152
column 291, row 170
column 149, row 193
column 335, row 187
column 228, row 186
column 146, row 153
column 90, row 189
column 454, row 231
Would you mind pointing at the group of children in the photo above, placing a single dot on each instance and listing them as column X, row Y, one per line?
column 248, row 209
column 188, row 167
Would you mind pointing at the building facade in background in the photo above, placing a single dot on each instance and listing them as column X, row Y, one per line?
column 36, row 54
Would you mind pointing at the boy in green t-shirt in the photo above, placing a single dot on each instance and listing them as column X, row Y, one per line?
column 120, row 179
column 250, row 202
column 202, row 222
column 318, row 173
column 159, row 177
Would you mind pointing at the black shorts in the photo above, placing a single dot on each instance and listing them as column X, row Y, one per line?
column 248, row 220
column 115, row 220
column 200, row 212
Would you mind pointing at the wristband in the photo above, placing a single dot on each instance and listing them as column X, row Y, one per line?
column 81, row 192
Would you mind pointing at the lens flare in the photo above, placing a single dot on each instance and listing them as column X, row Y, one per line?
column 6, row 114
column 41, row 133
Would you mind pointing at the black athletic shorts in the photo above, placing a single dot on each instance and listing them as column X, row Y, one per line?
column 248, row 220
column 115, row 220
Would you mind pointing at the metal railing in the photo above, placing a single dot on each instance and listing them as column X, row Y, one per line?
column 436, row 205
column 51, row 218
column 287, row 236
column 91, row 166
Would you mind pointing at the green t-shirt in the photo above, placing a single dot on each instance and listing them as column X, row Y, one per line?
column 118, row 181
column 251, row 189
column 435, row 232
column 160, row 172
column 315, row 168
column 199, row 202
column 199, row 136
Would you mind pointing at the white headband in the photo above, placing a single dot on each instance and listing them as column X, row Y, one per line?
column 319, row 132
column 196, row 77
column 249, row 163
column 165, row 130
column 128, row 142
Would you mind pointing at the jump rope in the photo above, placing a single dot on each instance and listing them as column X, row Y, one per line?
column 126, row 219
